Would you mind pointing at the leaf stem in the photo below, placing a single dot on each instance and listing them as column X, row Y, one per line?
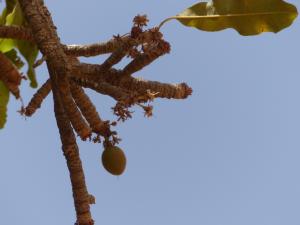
column 166, row 20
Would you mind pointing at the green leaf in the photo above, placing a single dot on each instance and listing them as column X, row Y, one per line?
column 248, row 17
column 6, row 45
column 13, row 18
column 4, row 97
column 3, row 16
column 30, row 53
column 10, row 4
column 13, row 56
column 27, row 49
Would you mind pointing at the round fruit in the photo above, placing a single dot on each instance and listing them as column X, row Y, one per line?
column 114, row 160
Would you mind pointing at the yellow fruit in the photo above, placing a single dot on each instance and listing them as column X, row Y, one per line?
column 114, row 160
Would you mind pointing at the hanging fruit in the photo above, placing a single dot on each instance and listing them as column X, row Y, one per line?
column 114, row 160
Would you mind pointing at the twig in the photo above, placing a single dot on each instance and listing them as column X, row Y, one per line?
column 38, row 98
column 89, row 111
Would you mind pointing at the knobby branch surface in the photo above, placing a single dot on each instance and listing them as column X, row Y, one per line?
column 74, row 110
column 48, row 42
column 16, row 32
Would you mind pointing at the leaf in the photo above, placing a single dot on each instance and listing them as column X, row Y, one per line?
column 14, row 58
column 30, row 53
column 10, row 4
column 27, row 49
column 13, row 18
column 248, row 17
column 3, row 16
column 4, row 97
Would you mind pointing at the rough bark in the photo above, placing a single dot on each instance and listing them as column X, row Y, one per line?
column 48, row 42
column 74, row 111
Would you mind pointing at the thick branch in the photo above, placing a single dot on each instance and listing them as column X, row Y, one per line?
column 93, row 76
column 23, row 33
column 16, row 32
column 99, row 48
column 46, row 38
column 71, row 153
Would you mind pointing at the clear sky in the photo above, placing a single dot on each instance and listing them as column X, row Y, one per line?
column 228, row 155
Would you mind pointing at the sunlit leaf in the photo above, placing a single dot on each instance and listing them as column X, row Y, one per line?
column 13, row 18
column 6, row 45
column 4, row 97
column 248, row 17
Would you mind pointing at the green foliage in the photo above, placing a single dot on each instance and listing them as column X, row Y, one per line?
column 30, row 53
column 14, row 58
column 10, row 5
column 248, row 17
column 12, row 15
column 4, row 97
column 15, row 17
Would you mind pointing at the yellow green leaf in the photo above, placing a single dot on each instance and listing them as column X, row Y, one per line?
column 4, row 97
column 12, row 15
column 13, row 18
column 248, row 17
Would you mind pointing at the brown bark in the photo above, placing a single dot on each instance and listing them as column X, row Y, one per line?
column 89, row 111
column 38, row 97
column 92, row 76
column 71, row 153
column 16, row 32
column 10, row 75
column 47, row 40
column 73, row 109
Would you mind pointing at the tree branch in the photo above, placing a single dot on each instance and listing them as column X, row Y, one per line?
column 71, row 153
column 37, row 99
column 47, row 40
column 16, row 32
column 89, row 111
column 93, row 76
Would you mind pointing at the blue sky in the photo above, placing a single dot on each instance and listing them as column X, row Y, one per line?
column 228, row 155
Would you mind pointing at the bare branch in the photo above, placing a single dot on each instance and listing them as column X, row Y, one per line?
column 47, row 40
column 98, row 48
column 89, row 111
column 93, row 76
column 71, row 153
column 16, row 32
column 103, row 88
column 38, row 98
